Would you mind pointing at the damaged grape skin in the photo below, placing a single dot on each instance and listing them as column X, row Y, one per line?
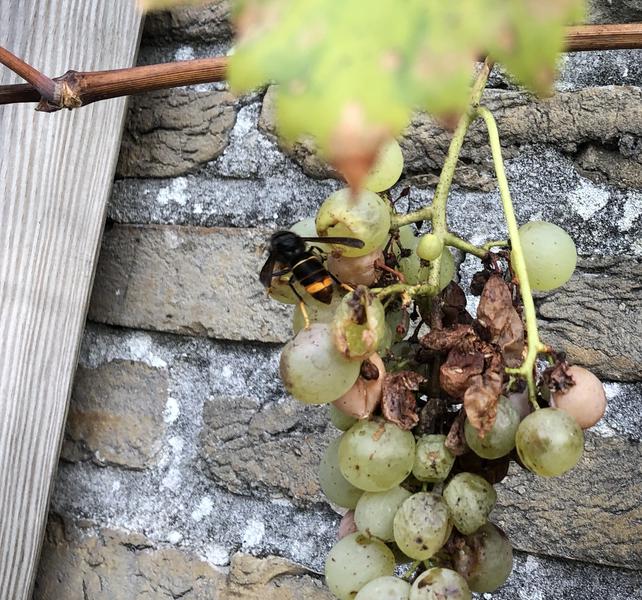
column 433, row 461
column 500, row 440
column 470, row 499
column 421, row 525
column 376, row 455
column 440, row 584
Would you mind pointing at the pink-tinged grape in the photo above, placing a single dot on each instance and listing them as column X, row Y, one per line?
column 521, row 403
column 339, row 419
column 433, row 461
column 347, row 525
column 549, row 253
column 470, row 499
column 353, row 562
column 385, row 588
column 364, row 396
column 440, row 584
column 421, row 525
column 430, row 246
column 334, row 485
column 549, row 442
column 485, row 560
column 376, row 511
column 318, row 312
column 376, row 455
column 359, row 324
column 365, row 217
column 387, row 168
column 313, row 370
column 358, row 270
column 500, row 440
column 585, row 401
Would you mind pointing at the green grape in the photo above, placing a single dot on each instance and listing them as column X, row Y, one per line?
column 318, row 312
column 376, row 511
column 416, row 271
column 470, row 499
column 333, row 484
column 399, row 321
column 308, row 228
column 485, row 559
column 407, row 238
column 313, row 370
column 387, row 168
column 376, row 455
column 430, row 246
column 339, row 419
column 440, row 584
column 421, row 525
column 549, row 442
column 359, row 324
column 386, row 341
column 365, row 217
column 500, row 440
column 281, row 291
column 385, row 588
column 549, row 253
column 433, row 461
column 353, row 562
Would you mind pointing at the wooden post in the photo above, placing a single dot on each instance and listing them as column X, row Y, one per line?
column 55, row 176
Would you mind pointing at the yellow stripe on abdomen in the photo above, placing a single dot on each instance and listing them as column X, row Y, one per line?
column 317, row 286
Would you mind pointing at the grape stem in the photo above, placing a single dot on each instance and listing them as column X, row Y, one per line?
column 423, row 214
column 517, row 259
column 450, row 239
column 411, row 570
column 495, row 243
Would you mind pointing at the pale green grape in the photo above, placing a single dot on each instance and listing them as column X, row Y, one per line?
column 333, row 483
column 500, row 440
column 281, row 291
column 385, row 588
column 365, row 217
column 407, row 238
column 470, row 499
column 421, row 525
column 433, row 461
column 376, row 511
column 376, row 455
column 486, row 559
column 440, row 584
column 313, row 370
column 353, row 562
column 430, row 246
column 415, row 271
column 318, row 312
column 307, row 228
column 359, row 324
column 549, row 442
column 549, row 253
column 340, row 420
column 387, row 168
column 386, row 341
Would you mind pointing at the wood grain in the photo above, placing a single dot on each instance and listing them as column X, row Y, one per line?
column 55, row 177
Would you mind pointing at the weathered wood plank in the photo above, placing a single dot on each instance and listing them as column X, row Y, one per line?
column 55, row 176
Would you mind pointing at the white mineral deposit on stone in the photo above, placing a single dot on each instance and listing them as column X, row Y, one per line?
column 588, row 199
column 631, row 210
column 172, row 480
column 226, row 371
column 175, row 192
column 172, row 410
column 176, row 443
column 174, row 537
column 254, row 533
column 115, row 486
column 184, row 53
column 204, row 509
column 217, row 555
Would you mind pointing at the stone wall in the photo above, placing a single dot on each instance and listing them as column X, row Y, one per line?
column 187, row 472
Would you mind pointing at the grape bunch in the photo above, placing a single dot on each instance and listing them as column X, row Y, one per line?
column 429, row 417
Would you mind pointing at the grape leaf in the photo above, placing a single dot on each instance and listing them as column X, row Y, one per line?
column 351, row 73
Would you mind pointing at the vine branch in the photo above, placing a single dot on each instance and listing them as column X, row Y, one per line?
column 76, row 88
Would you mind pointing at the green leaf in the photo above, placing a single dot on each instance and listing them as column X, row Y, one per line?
column 352, row 72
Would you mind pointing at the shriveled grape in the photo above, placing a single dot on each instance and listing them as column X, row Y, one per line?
column 421, row 525
column 440, row 584
column 313, row 370
column 353, row 562
column 470, row 499
column 376, row 511
column 500, row 440
column 385, row 588
column 376, row 455
column 549, row 442
column 333, row 483
column 364, row 396
column 365, row 217
column 433, row 461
